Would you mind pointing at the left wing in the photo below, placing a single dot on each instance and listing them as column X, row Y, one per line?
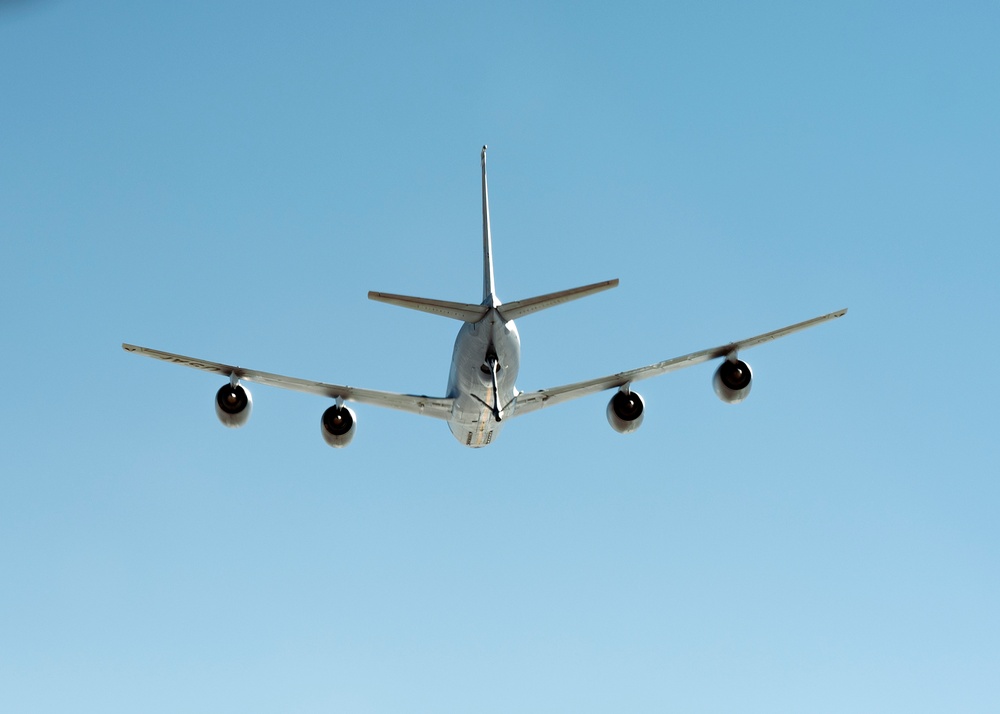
column 527, row 402
column 437, row 407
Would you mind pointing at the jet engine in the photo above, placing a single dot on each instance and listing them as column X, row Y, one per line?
column 233, row 405
column 625, row 411
column 732, row 381
column 338, row 426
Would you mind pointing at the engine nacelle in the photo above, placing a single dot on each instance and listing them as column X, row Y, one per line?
column 625, row 412
column 732, row 381
column 233, row 405
column 338, row 426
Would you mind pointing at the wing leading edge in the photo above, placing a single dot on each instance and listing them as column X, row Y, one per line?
column 437, row 407
column 527, row 402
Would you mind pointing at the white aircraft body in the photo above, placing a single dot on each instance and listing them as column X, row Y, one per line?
column 481, row 395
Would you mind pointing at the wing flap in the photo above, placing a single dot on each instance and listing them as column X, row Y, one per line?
column 437, row 407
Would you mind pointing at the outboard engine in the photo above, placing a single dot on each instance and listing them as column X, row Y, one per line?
column 732, row 381
column 233, row 405
column 338, row 426
column 625, row 411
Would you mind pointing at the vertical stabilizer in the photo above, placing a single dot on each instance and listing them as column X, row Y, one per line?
column 489, row 292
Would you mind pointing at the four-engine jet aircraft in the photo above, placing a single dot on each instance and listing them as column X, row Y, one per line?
column 481, row 395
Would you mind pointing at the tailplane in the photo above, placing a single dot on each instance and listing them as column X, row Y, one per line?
column 466, row 312
column 519, row 308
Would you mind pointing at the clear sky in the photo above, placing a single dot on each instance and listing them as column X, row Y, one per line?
column 229, row 179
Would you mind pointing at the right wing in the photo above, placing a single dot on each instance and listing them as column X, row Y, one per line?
column 437, row 407
column 527, row 402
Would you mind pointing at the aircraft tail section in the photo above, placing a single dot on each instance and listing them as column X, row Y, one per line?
column 519, row 308
column 466, row 312
column 489, row 287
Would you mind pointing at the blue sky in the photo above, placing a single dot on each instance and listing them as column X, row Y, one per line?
column 228, row 180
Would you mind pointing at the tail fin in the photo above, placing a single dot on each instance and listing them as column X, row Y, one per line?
column 489, row 289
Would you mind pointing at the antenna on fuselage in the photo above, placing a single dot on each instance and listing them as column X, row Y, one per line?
column 489, row 289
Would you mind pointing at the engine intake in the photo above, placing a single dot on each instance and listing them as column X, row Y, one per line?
column 233, row 405
column 625, row 411
column 338, row 426
column 732, row 381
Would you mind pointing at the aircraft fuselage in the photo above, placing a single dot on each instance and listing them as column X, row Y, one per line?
column 478, row 403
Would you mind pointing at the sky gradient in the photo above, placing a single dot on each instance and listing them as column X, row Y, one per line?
column 229, row 179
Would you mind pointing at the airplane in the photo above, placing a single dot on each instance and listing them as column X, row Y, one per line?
column 480, row 396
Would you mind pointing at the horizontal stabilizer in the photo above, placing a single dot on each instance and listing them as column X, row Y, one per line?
column 519, row 308
column 455, row 310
